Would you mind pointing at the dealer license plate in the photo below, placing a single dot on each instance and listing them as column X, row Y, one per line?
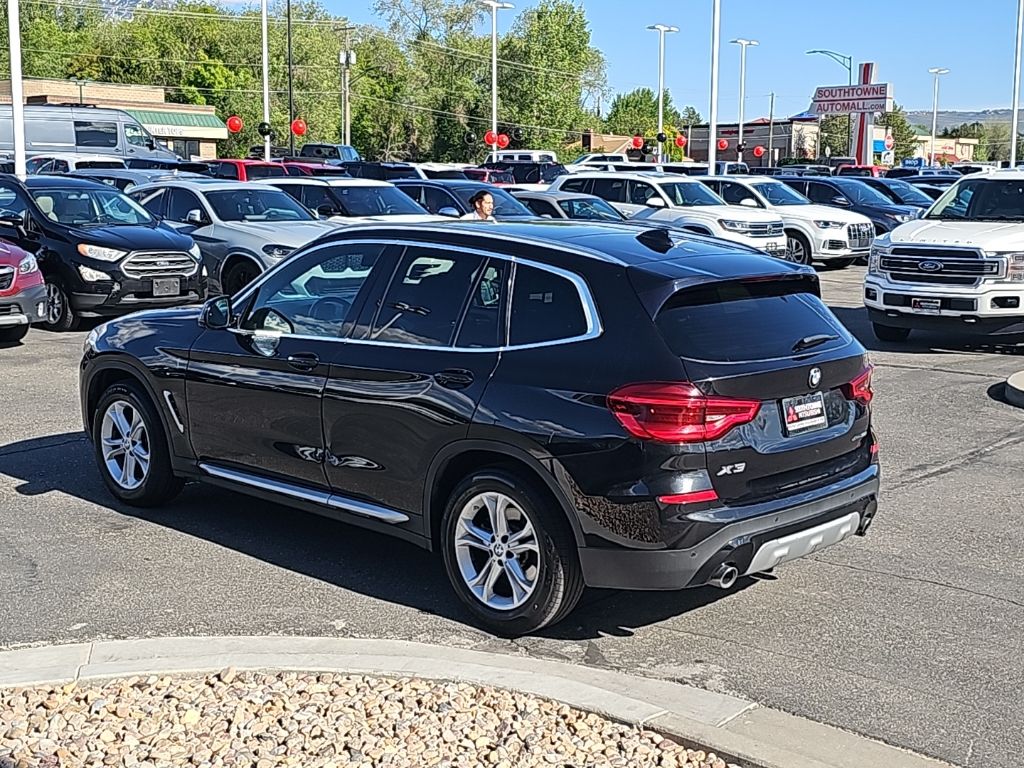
column 166, row 286
column 804, row 414
column 926, row 306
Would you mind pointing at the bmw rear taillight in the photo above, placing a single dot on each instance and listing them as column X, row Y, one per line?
column 860, row 388
column 678, row 413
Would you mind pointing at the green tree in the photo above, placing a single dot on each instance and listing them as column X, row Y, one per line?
column 637, row 112
column 903, row 134
column 834, row 131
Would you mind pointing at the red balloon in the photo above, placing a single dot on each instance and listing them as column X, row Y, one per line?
column 234, row 124
column 490, row 138
column 299, row 126
column 680, row 141
column 638, row 142
column 502, row 141
column 723, row 144
column 758, row 151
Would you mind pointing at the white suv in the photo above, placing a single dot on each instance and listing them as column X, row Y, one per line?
column 682, row 202
column 813, row 232
column 959, row 268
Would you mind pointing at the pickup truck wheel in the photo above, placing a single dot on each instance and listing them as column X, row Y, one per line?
column 10, row 335
column 798, row 249
column 888, row 333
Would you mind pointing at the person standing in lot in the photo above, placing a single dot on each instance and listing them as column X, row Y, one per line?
column 483, row 207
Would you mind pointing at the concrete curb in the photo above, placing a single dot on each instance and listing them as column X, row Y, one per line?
column 738, row 730
column 1015, row 389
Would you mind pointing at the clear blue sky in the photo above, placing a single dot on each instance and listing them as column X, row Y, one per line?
column 903, row 37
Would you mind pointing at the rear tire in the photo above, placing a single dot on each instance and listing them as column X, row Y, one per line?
column 131, row 448
column 59, row 314
column 889, row 333
column 534, row 541
column 12, row 334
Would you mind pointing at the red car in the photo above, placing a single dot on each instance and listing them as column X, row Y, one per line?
column 875, row 171
column 22, row 292
column 246, row 170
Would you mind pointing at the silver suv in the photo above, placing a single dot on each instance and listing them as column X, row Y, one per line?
column 241, row 228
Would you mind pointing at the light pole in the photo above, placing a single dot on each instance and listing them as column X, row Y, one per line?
column 1016, row 84
column 291, row 90
column 847, row 63
column 937, row 72
column 661, row 29
column 495, row 6
column 743, row 44
column 716, row 30
column 17, row 87
column 81, row 83
column 266, row 77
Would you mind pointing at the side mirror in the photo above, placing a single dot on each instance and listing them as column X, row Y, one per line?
column 749, row 202
column 840, row 200
column 217, row 313
column 655, row 202
column 14, row 221
column 195, row 217
column 450, row 212
column 326, row 211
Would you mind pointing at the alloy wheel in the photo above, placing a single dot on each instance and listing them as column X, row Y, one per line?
column 497, row 551
column 796, row 250
column 54, row 304
column 124, row 441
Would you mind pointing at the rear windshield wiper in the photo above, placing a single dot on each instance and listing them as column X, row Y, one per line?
column 807, row 342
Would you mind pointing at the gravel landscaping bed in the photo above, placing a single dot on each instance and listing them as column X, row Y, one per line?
column 264, row 720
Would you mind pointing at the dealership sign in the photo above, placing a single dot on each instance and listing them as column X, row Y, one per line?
column 849, row 99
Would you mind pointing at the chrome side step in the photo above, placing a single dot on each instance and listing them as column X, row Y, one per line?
column 332, row 500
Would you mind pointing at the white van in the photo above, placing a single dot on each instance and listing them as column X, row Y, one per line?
column 522, row 156
column 51, row 128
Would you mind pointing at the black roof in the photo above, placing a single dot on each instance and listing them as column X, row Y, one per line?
column 449, row 183
column 55, row 181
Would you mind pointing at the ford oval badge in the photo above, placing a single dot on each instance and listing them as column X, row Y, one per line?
column 930, row 266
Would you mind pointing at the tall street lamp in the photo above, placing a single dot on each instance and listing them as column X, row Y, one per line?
column 495, row 6
column 291, row 90
column 266, row 77
column 1016, row 84
column 661, row 29
column 17, row 87
column 937, row 72
column 716, row 30
column 847, row 63
column 743, row 44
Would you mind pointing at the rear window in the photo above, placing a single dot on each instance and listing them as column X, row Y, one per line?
column 742, row 321
column 265, row 171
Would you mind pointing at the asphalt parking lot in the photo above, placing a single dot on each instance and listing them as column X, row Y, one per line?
column 912, row 635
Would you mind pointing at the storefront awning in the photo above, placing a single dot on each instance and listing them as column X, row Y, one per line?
column 180, row 124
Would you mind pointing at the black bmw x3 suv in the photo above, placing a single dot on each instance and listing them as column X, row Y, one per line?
column 548, row 405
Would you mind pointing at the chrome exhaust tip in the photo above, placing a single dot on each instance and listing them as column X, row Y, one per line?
column 724, row 577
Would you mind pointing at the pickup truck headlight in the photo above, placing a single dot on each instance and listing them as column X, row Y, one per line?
column 277, row 251
column 28, row 265
column 730, row 225
column 874, row 260
column 1014, row 266
column 100, row 253
column 829, row 224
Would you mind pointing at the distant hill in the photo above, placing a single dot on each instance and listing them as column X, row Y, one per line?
column 949, row 118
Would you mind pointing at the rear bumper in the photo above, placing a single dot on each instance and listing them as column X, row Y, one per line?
column 744, row 537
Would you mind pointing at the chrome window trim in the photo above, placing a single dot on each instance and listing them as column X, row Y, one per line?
column 324, row 498
column 594, row 326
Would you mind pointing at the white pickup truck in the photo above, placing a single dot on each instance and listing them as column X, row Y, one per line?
column 958, row 269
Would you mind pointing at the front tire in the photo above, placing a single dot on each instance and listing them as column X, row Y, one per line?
column 798, row 248
column 12, row 334
column 131, row 448
column 889, row 333
column 510, row 554
column 239, row 275
column 59, row 314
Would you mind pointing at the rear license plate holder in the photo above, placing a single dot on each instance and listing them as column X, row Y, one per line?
column 166, row 286
column 805, row 413
column 926, row 306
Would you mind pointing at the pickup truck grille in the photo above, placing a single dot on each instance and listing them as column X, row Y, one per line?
column 6, row 278
column 939, row 266
column 143, row 264
column 860, row 236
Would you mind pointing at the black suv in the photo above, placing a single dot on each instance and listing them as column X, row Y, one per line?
column 549, row 405
column 854, row 195
column 100, row 252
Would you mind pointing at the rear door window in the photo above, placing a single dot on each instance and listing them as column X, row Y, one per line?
column 545, row 307
column 737, row 322
column 152, row 201
column 181, row 202
column 821, row 193
column 435, row 199
column 612, row 190
column 575, row 185
column 484, row 322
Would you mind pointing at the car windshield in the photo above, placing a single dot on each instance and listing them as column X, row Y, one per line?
column 241, row 204
column 504, row 204
column 265, row 171
column 861, row 194
column 906, row 193
column 374, row 201
column 90, row 207
column 779, row 194
column 982, row 200
column 594, row 209
column 690, row 193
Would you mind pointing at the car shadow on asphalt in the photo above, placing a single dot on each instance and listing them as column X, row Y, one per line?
column 346, row 556
column 855, row 319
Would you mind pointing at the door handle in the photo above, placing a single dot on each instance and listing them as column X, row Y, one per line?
column 303, row 361
column 454, row 378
